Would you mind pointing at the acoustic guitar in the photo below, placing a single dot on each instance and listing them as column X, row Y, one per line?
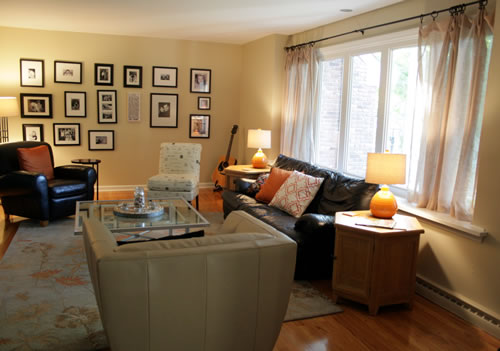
column 218, row 178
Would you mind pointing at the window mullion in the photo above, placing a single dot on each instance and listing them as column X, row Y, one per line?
column 382, row 104
column 344, row 118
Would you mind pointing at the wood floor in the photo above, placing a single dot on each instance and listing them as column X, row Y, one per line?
column 425, row 327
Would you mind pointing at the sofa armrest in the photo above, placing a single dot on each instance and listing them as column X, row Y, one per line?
column 242, row 185
column 316, row 223
column 84, row 173
column 23, row 182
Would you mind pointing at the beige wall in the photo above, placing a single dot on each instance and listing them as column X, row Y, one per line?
column 136, row 144
column 261, row 93
column 461, row 266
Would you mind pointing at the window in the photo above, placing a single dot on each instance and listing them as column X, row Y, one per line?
column 367, row 90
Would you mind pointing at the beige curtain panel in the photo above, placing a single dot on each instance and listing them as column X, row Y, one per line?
column 452, row 74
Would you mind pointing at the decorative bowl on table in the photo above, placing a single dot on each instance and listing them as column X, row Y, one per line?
column 127, row 209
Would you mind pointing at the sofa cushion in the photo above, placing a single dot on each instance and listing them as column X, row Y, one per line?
column 173, row 182
column 272, row 184
column 296, row 193
column 36, row 159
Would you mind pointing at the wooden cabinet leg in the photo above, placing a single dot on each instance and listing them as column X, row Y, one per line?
column 335, row 298
column 373, row 309
column 44, row 223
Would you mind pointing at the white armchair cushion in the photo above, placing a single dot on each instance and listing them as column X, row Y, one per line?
column 173, row 182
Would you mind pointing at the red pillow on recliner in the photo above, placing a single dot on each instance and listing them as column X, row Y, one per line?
column 36, row 159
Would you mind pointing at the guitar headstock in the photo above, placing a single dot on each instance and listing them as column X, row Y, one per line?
column 235, row 129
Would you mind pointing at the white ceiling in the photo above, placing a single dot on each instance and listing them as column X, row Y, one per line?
column 226, row 21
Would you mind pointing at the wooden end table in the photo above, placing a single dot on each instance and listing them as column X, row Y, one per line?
column 242, row 171
column 95, row 165
column 375, row 266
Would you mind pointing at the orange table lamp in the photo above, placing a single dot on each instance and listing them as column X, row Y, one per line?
column 259, row 139
column 385, row 169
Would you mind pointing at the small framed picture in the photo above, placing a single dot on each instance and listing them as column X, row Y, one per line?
column 165, row 77
column 66, row 134
column 32, row 73
column 134, row 107
column 200, row 80
column 68, row 72
column 36, row 105
column 203, row 103
column 32, row 132
column 132, row 76
column 103, row 74
column 106, row 106
column 75, row 103
column 101, row 140
column 199, row 126
column 163, row 110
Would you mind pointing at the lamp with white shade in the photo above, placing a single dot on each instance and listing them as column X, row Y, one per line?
column 385, row 169
column 259, row 139
column 8, row 108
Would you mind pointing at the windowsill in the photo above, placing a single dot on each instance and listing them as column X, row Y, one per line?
column 462, row 228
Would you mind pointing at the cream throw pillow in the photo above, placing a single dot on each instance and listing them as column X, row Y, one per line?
column 296, row 193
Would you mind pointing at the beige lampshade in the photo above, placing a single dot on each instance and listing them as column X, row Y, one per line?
column 386, row 168
column 8, row 107
column 259, row 139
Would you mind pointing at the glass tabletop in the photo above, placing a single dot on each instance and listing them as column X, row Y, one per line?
column 178, row 214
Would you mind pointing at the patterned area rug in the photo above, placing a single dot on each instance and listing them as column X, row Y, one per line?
column 46, row 296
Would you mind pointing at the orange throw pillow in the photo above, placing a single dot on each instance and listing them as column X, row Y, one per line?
column 36, row 159
column 272, row 184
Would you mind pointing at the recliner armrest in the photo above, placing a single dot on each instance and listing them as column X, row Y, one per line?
column 22, row 182
column 316, row 223
column 85, row 173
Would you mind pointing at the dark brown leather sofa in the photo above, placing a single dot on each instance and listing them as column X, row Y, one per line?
column 314, row 231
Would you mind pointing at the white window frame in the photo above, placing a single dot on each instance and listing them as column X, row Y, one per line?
column 384, row 44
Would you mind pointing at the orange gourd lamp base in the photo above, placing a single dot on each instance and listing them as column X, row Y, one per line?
column 259, row 160
column 383, row 203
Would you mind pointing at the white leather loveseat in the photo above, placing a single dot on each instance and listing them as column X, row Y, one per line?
column 219, row 292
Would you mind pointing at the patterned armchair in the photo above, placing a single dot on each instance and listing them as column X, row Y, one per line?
column 179, row 172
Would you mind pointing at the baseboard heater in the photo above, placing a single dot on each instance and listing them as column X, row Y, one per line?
column 462, row 309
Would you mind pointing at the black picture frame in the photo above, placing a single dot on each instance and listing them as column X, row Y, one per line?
column 201, row 80
column 33, row 132
column 132, row 76
column 103, row 74
column 107, row 111
column 66, row 134
column 199, row 126
column 75, row 104
column 32, row 72
column 165, row 77
column 204, row 102
column 36, row 105
column 164, row 110
column 101, row 140
column 69, row 72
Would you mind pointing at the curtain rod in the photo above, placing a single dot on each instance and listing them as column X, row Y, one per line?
column 453, row 10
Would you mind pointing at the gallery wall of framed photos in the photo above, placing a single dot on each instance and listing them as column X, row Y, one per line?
column 129, row 73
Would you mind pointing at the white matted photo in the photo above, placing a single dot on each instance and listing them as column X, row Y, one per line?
column 32, row 73
column 32, row 132
column 132, row 76
column 199, row 126
column 203, row 103
column 106, row 106
column 103, row 73
column 68, row 72
column 163, row 110
column 66, row 134
column 75, row 103
column 101, row 140
column 165, row 77
column 201, row 80
column 36, row 105
column 134, row 107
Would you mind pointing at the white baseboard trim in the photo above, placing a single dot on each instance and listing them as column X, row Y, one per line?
column 458, row 307
column 103, row 188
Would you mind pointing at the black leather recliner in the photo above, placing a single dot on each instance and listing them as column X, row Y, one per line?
column 30, row 194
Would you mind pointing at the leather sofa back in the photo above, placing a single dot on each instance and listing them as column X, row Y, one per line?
column 337, row 193
column 8, row 154
column 215, row 293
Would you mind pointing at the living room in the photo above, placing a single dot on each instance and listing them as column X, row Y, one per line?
column 246, row 89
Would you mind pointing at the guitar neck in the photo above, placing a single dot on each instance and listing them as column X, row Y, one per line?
column 229, row 148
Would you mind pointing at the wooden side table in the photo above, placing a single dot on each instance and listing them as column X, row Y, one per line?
column 375, row 266
column 242, row 171
column 95, row 165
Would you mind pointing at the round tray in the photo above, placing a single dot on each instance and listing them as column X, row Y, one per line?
column 125, row 210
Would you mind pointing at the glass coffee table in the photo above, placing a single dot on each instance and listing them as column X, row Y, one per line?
column 178, row 217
